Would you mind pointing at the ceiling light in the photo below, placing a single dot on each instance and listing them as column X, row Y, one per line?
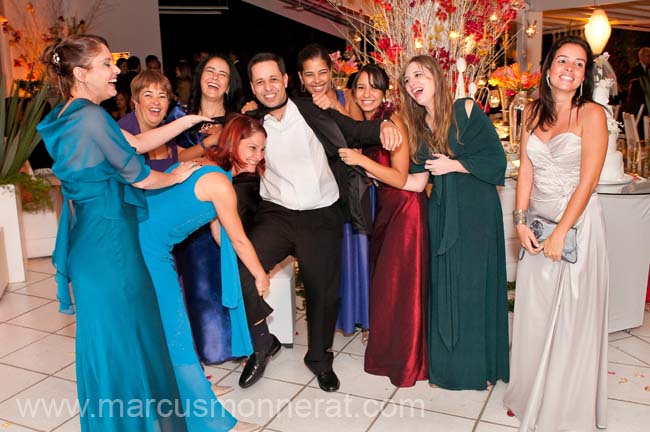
column 597, row 31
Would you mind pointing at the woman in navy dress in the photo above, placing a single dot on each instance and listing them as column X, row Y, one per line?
column 216, row 91
column 121, row 354
column 174, row 213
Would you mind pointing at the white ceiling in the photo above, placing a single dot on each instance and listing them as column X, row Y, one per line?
column 630, row 15
column 558, row 15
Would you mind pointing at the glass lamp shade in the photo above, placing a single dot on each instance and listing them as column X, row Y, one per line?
column 597, row 31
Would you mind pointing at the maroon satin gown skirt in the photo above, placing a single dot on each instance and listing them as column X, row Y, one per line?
column 399, row 256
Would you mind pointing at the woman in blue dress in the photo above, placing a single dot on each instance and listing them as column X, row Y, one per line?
column 207, row 197
column 122, row 360
column 315, row 71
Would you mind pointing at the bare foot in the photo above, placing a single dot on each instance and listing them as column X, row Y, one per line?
column 242, row 426
column 221, row 390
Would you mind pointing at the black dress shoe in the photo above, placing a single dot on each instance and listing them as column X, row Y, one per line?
column 328, row 381
column 254, row 369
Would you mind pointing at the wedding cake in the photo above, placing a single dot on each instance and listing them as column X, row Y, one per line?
column 613, row 168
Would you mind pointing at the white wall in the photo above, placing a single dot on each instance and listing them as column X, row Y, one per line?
column 127, row 25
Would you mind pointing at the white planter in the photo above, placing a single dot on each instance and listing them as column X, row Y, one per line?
column 40, row 233
column 10, row 221
column 4, row 271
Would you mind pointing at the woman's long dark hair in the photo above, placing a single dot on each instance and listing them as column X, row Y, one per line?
column 542, row 111
column 233, row 100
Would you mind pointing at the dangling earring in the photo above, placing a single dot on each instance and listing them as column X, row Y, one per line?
column 302, row 86
column 580, row 95
column 548, row 80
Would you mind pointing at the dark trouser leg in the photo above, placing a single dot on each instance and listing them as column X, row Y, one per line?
column 318, row 249
column 273, row 239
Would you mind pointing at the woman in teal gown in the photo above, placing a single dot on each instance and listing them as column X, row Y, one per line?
column 122, row 362
column 174, row 214
column 455, row 145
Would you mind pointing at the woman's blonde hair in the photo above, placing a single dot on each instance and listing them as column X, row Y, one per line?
column 415, row 115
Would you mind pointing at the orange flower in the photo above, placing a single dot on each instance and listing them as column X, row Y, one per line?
column 513, row 79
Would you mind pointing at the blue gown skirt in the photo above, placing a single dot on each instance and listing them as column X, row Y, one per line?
column 202, row 410
column 122, row 357
column 199, row 266
column 355, row 278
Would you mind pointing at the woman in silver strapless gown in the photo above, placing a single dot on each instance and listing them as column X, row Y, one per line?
column 559, row 351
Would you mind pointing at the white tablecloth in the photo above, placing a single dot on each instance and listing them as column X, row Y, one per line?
column 627, row 221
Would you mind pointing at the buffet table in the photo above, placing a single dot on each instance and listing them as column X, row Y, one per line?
column 626, row 209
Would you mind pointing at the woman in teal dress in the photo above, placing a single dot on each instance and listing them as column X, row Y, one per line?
column 175, row 213
column 122, row 361
column 455, row 145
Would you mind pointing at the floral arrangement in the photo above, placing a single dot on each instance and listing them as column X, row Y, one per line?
column 342, row 68
column 32, row 30
column 514, row 80
column 604, row 87
column 396, row 30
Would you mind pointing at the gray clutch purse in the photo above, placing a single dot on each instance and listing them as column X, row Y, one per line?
column 542, row 228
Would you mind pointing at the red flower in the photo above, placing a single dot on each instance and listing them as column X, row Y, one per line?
column 384, row 43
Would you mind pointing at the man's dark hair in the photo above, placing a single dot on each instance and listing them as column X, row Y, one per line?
column 133, row 62
column 262, row 57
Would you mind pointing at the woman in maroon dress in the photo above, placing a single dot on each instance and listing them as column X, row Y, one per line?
column 398, row 250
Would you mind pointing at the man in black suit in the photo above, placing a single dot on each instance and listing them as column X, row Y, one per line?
column 300, row 213
column 123, row 84
column 639, row 85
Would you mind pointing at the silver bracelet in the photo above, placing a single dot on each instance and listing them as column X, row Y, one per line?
column 519, row 216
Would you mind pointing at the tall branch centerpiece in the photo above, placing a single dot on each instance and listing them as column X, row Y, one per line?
column 396, row 30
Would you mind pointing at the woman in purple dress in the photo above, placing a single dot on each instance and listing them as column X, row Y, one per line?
column 151, row 92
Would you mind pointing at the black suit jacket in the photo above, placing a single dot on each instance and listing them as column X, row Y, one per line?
column 635, row 94
column 334, row 131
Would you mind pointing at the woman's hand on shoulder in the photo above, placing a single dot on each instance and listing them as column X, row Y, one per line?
column 184, row 170
column 249, row 106
column 192, row 119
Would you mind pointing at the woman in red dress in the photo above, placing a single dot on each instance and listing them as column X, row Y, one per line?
column 398, row 249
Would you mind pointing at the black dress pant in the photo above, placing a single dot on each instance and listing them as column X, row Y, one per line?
column 314, row 238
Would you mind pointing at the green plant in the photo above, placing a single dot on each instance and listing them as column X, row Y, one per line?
column 35, row 191
column 18, row 119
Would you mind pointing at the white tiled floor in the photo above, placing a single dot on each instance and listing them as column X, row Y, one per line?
column 37, row 360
